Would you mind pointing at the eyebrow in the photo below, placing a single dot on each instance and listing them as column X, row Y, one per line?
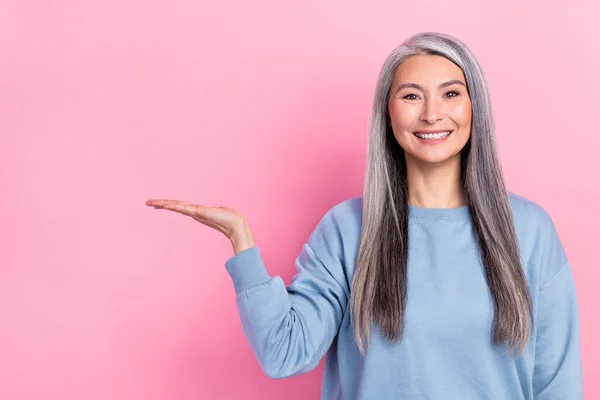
column 442, row 85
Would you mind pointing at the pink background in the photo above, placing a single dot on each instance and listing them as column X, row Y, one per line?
column 261, row 106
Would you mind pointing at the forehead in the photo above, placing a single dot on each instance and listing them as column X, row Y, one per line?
column 424, row 69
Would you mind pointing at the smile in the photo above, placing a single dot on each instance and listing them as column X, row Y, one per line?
column 433, row 136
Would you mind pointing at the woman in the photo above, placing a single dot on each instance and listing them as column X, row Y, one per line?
column 437, row 283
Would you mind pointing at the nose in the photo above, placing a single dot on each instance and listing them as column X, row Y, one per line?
column 431, row 112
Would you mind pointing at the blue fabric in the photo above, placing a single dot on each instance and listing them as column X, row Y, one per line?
column 447, row 350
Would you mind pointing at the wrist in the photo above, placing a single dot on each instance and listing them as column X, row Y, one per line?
column 241, row 239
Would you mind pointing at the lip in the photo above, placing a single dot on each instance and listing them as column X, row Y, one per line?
column 434, row 131
column 428, row 141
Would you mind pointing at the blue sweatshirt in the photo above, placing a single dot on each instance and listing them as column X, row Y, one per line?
column 447, row 350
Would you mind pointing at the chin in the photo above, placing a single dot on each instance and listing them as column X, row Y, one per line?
column 434, row 159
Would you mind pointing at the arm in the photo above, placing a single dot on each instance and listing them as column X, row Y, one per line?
column 289, row 329
column 558, row 372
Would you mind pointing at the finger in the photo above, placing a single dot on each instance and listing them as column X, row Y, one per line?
column 175, row 205
column 181, row 207
column 197, row 212
column 159, row 202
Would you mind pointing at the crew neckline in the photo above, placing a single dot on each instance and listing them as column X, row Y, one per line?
column 432, row 214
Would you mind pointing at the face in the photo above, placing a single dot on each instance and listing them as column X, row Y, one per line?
column 429, row 94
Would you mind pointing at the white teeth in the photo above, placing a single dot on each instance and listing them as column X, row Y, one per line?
column 433, row 136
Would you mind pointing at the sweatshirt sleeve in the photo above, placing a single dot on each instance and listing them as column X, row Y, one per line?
column 289, row 329
column 558, row 369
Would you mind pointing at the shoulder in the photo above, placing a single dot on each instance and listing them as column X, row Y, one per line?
column 539, row 242
column 348, row 208
column 527, row 212
column 531, row 218
column 339, row 228
column 344, row 214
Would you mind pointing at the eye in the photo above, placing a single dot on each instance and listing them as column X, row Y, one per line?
column 410, row 94
column 456, row 93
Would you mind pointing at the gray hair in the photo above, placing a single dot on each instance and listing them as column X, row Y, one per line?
column 379, row 289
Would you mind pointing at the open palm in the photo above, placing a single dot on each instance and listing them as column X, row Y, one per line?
column 224, row 219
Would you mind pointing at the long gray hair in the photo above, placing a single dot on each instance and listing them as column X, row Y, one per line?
column 379, row 287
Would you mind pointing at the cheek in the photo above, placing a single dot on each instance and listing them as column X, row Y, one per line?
column 402, row 116
column 461, row 113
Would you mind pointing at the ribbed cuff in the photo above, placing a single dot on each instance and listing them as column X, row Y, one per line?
column 247, row 269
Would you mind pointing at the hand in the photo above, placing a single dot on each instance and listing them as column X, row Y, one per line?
column 226, row 220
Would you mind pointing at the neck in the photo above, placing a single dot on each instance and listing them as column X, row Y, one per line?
column 435, row 186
